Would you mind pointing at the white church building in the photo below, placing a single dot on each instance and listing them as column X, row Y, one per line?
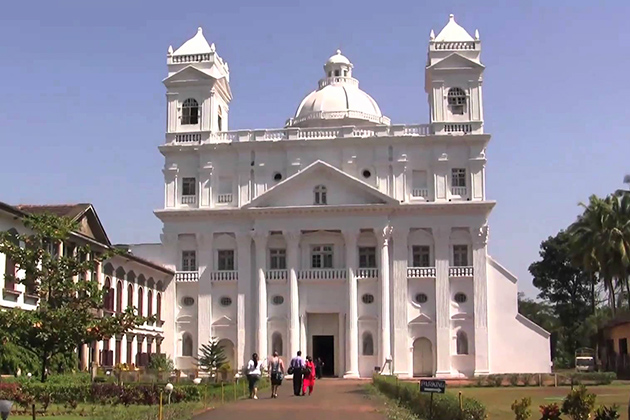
column 342, row 234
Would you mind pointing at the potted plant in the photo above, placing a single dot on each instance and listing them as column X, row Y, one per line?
column 8, row 393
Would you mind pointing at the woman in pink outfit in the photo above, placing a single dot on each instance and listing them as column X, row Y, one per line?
column 309, row 376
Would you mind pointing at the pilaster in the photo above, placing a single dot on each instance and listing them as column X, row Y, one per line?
column 243, row 299
column 352, row 335
column 442, row 297
column 400, row 288
column 480, row 287
column 260, row 241
column 170, row 187
column 205, row 262
column 383, row 236
column 205, row 186
column 292, row 239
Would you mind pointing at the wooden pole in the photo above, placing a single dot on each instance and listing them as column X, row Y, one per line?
column 461, row 405
column 160, row 414
column 431, row 408
column 222, row 393
column 34, row 414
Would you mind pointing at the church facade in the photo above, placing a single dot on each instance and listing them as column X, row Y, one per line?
column 342, row 234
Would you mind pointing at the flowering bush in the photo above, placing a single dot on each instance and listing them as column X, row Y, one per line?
column 550, row 412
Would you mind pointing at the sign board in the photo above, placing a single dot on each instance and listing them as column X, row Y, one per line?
column 432, row 386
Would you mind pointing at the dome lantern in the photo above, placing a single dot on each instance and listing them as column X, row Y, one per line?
column 338, row 101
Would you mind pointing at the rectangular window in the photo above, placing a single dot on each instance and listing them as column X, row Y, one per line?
column 226, row 259
column 189, row 260
column 623, row 346
column 277, row 259
column 225, row 185
column 367, row 257
column 458, row 177
column 189, row 186
column 421, row 255
column 322, row 256
column 460, row 255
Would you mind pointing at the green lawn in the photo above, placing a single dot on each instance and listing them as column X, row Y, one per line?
column 499, row 400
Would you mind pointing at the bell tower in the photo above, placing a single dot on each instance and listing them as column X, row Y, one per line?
column 198, row 91
column 453, row 79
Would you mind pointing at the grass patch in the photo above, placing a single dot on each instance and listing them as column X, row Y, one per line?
column 390, row 408
column 499, row 400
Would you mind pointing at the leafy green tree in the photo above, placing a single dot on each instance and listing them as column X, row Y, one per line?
column 211, row 356
column 568, row 289
column 14, row 358
column 69, row 301
column 161, row 363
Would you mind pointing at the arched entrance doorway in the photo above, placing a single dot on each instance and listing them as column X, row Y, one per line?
column 228, row 351
column 422, row 357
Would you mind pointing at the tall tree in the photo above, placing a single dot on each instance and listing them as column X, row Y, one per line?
column 69, row 301
column 566, row 287
column 211, row 356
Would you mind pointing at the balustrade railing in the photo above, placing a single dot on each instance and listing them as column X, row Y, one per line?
column 186, row 276
column 276, row 275
column 224, row 275
column 189, row 199
column 188, row 138
column 420, row 192
column 463, row 45
column 460, row 271
column 224, row 198
column 420, row 272
column 460, row 191
column 323, row 274
column 366, row 273
column 458, row 128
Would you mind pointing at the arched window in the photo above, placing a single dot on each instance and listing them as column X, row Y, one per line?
column 276, row 343
column 108, row 295
column 320, row 195
column 150, row 303
column 130, row 296
column 187, row 345
column 462, row 342
column 158, row 306
column 119, row 297
column 190, row 112
column 368, row 344
column 456, row 100
column 140, row 302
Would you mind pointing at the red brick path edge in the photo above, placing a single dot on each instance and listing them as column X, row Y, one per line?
column 332, row 399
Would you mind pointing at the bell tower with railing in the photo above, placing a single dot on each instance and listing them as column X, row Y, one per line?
column 453, row 80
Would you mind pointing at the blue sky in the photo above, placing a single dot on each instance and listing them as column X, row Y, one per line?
column 83, row 105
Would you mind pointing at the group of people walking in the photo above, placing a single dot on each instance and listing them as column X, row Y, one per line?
column 304, row 372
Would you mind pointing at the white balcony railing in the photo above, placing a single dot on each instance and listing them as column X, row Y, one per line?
column 420, row 272
column 276, row 275
column 459, row 191
column 224, row 275
column 189, row 199
column 186, row 276
column 323, row 274
column 367, row 273
column 224, row 198
column 460, row 271
column 420, row 192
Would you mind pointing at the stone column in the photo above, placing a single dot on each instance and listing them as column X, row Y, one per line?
column 243, row 300
column 383, row 236
column 292, row 239
column 260, row 240
column 205, row 262
column 443, row 299
column 85, row 357
column 352, row 334
column 400, row 340
column 480, row 288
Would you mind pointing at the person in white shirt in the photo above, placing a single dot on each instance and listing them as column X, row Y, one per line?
column 254, row 370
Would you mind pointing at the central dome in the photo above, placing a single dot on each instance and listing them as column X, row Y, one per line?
column 338, row 101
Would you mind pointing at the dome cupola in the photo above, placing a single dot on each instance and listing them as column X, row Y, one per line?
column 338, row 101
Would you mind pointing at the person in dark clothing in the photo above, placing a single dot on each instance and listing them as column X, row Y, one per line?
column 319, row 365
column 296, row 368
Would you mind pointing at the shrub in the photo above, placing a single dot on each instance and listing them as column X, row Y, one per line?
column 579, row 403
column 527, row 378
column 513, row 379
column 592, row 378
column 481, row 380
column 8, row 391
column 521, row 408
column 550, row 412
column 445, row 406
column 161, row 363
column 495, row 380
column 607, row 413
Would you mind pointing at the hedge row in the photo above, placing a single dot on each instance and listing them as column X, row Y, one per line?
column 445, row 406
column 526, row 379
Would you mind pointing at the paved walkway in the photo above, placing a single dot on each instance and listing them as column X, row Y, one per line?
column 332, row 399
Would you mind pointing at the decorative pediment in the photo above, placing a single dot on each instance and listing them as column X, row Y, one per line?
column 341, row 190
column 456, row 61
column 191, row 74
column 277, row 319
column 368, row 318
column 421, row 319
column 224, row 321
column 462, row 316
column 90, row 225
